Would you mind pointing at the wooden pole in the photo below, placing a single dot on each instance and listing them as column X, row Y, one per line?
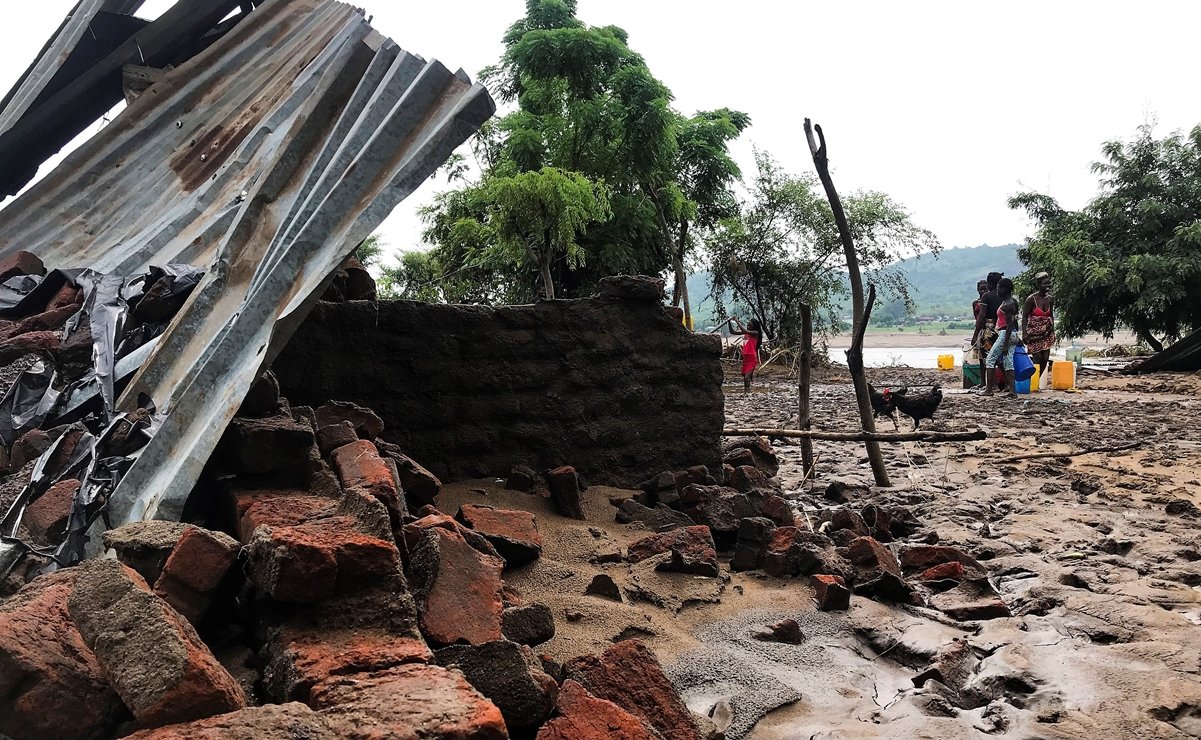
column 805, row 380
column 861, row 311
column 974, row 435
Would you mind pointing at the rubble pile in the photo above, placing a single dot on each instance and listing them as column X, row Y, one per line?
column 879, row 552
column 310, row 592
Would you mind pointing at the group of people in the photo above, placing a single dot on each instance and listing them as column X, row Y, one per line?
column 997, row 335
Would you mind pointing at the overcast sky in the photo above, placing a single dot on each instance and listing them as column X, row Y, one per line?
column 950, row 107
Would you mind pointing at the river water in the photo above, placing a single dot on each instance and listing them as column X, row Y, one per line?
column 926, row 357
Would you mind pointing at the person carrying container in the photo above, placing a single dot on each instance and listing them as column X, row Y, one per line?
column 1007, row 339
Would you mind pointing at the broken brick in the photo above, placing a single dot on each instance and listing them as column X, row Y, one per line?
column 565, row 488
column 46, row 518
column 51, row 684
column 528, row 624
column 514, row 534
column 293, row 721
column 301, row 658
column 310, row 562
column 511, row 676
column 152, row 657
column 582, row 716
column 831, row 593
column 366, row 422
column 629, row 675
column 412, row 701
column 194, row 570
column 457, row 589
column 20, row 263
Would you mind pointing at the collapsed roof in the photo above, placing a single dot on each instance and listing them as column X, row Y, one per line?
column 283, row 138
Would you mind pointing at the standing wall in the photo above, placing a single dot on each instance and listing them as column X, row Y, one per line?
column 613, row 385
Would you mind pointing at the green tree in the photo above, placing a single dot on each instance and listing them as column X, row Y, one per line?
column 1132, row 256
column 370, row 250
column 781, row 250
column 539, row 215
column 588, row 107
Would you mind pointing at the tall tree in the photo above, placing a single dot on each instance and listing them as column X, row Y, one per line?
column 587, row 105
column 539, row 215
column 781, row 250
column 1132, row 256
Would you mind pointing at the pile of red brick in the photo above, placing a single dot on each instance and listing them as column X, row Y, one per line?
column 316, row 592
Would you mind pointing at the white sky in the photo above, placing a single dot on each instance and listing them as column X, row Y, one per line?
column 950, row 107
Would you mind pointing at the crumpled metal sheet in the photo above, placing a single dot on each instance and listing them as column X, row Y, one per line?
column 262, row 161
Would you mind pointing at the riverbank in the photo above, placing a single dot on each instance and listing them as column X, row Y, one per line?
column 914, row 339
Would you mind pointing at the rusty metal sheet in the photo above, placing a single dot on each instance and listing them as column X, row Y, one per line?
column 263, row 161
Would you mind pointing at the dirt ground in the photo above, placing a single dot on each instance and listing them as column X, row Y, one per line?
column 1104, row 583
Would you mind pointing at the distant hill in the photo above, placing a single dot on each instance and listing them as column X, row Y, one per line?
column 942, row 287
column 946, row 286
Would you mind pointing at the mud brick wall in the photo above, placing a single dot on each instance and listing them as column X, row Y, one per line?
column 613, row 384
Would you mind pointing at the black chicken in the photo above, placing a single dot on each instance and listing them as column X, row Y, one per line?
column 920, row 406
column 884, row 403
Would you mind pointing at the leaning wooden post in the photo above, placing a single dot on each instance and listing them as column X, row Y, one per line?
column 805, row 379
column 861, row 314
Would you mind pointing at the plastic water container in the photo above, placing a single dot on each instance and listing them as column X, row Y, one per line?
column 1030, row 385
column 1063, row 375
column 1075, row 354
column 946, row 362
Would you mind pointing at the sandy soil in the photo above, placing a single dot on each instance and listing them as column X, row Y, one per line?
column 1104, row 583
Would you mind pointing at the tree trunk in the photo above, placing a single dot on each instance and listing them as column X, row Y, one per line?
column 805, row 379
column 682, row 274
column 1151, row 341
column 855, row 353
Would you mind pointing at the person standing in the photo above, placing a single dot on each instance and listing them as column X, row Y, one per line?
column 985, row 307
column 1038, row 323
column 1007, row 339
column 753, row 334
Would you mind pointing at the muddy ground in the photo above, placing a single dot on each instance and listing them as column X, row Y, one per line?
column 1104, row 583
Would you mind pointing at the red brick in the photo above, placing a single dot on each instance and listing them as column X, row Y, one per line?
column 68, row 295
column 629, row 675
column 51, row 684
column 311, row 562
column 194, row 569
column 582, row 716
column 152, row 657
column 869, row 554
column 300, row 659
column 831, row 593
column 271, row 722
column 20, row 263
column 47, row 517
column 923, row 557
column 431, row 518
column 280, row 511
column 457, row 589
column 407, row 703
column 49, row 320
column 514, row 534
column 952, row 570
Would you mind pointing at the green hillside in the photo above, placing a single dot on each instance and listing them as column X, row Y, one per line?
column 942, row 287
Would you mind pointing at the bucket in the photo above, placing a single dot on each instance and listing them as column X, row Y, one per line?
column 972, row 375
column 1035, row 380
column 1023, row 366
column 946, row 362
column 1063, row 375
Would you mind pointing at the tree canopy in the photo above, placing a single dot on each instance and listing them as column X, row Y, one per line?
column 594, row 138
column 1132, row 256
column 780, row 249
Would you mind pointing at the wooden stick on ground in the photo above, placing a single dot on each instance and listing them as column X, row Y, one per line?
column 1087, row 451
column 974, row 435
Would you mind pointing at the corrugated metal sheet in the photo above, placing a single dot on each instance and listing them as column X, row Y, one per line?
column 264, row 160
